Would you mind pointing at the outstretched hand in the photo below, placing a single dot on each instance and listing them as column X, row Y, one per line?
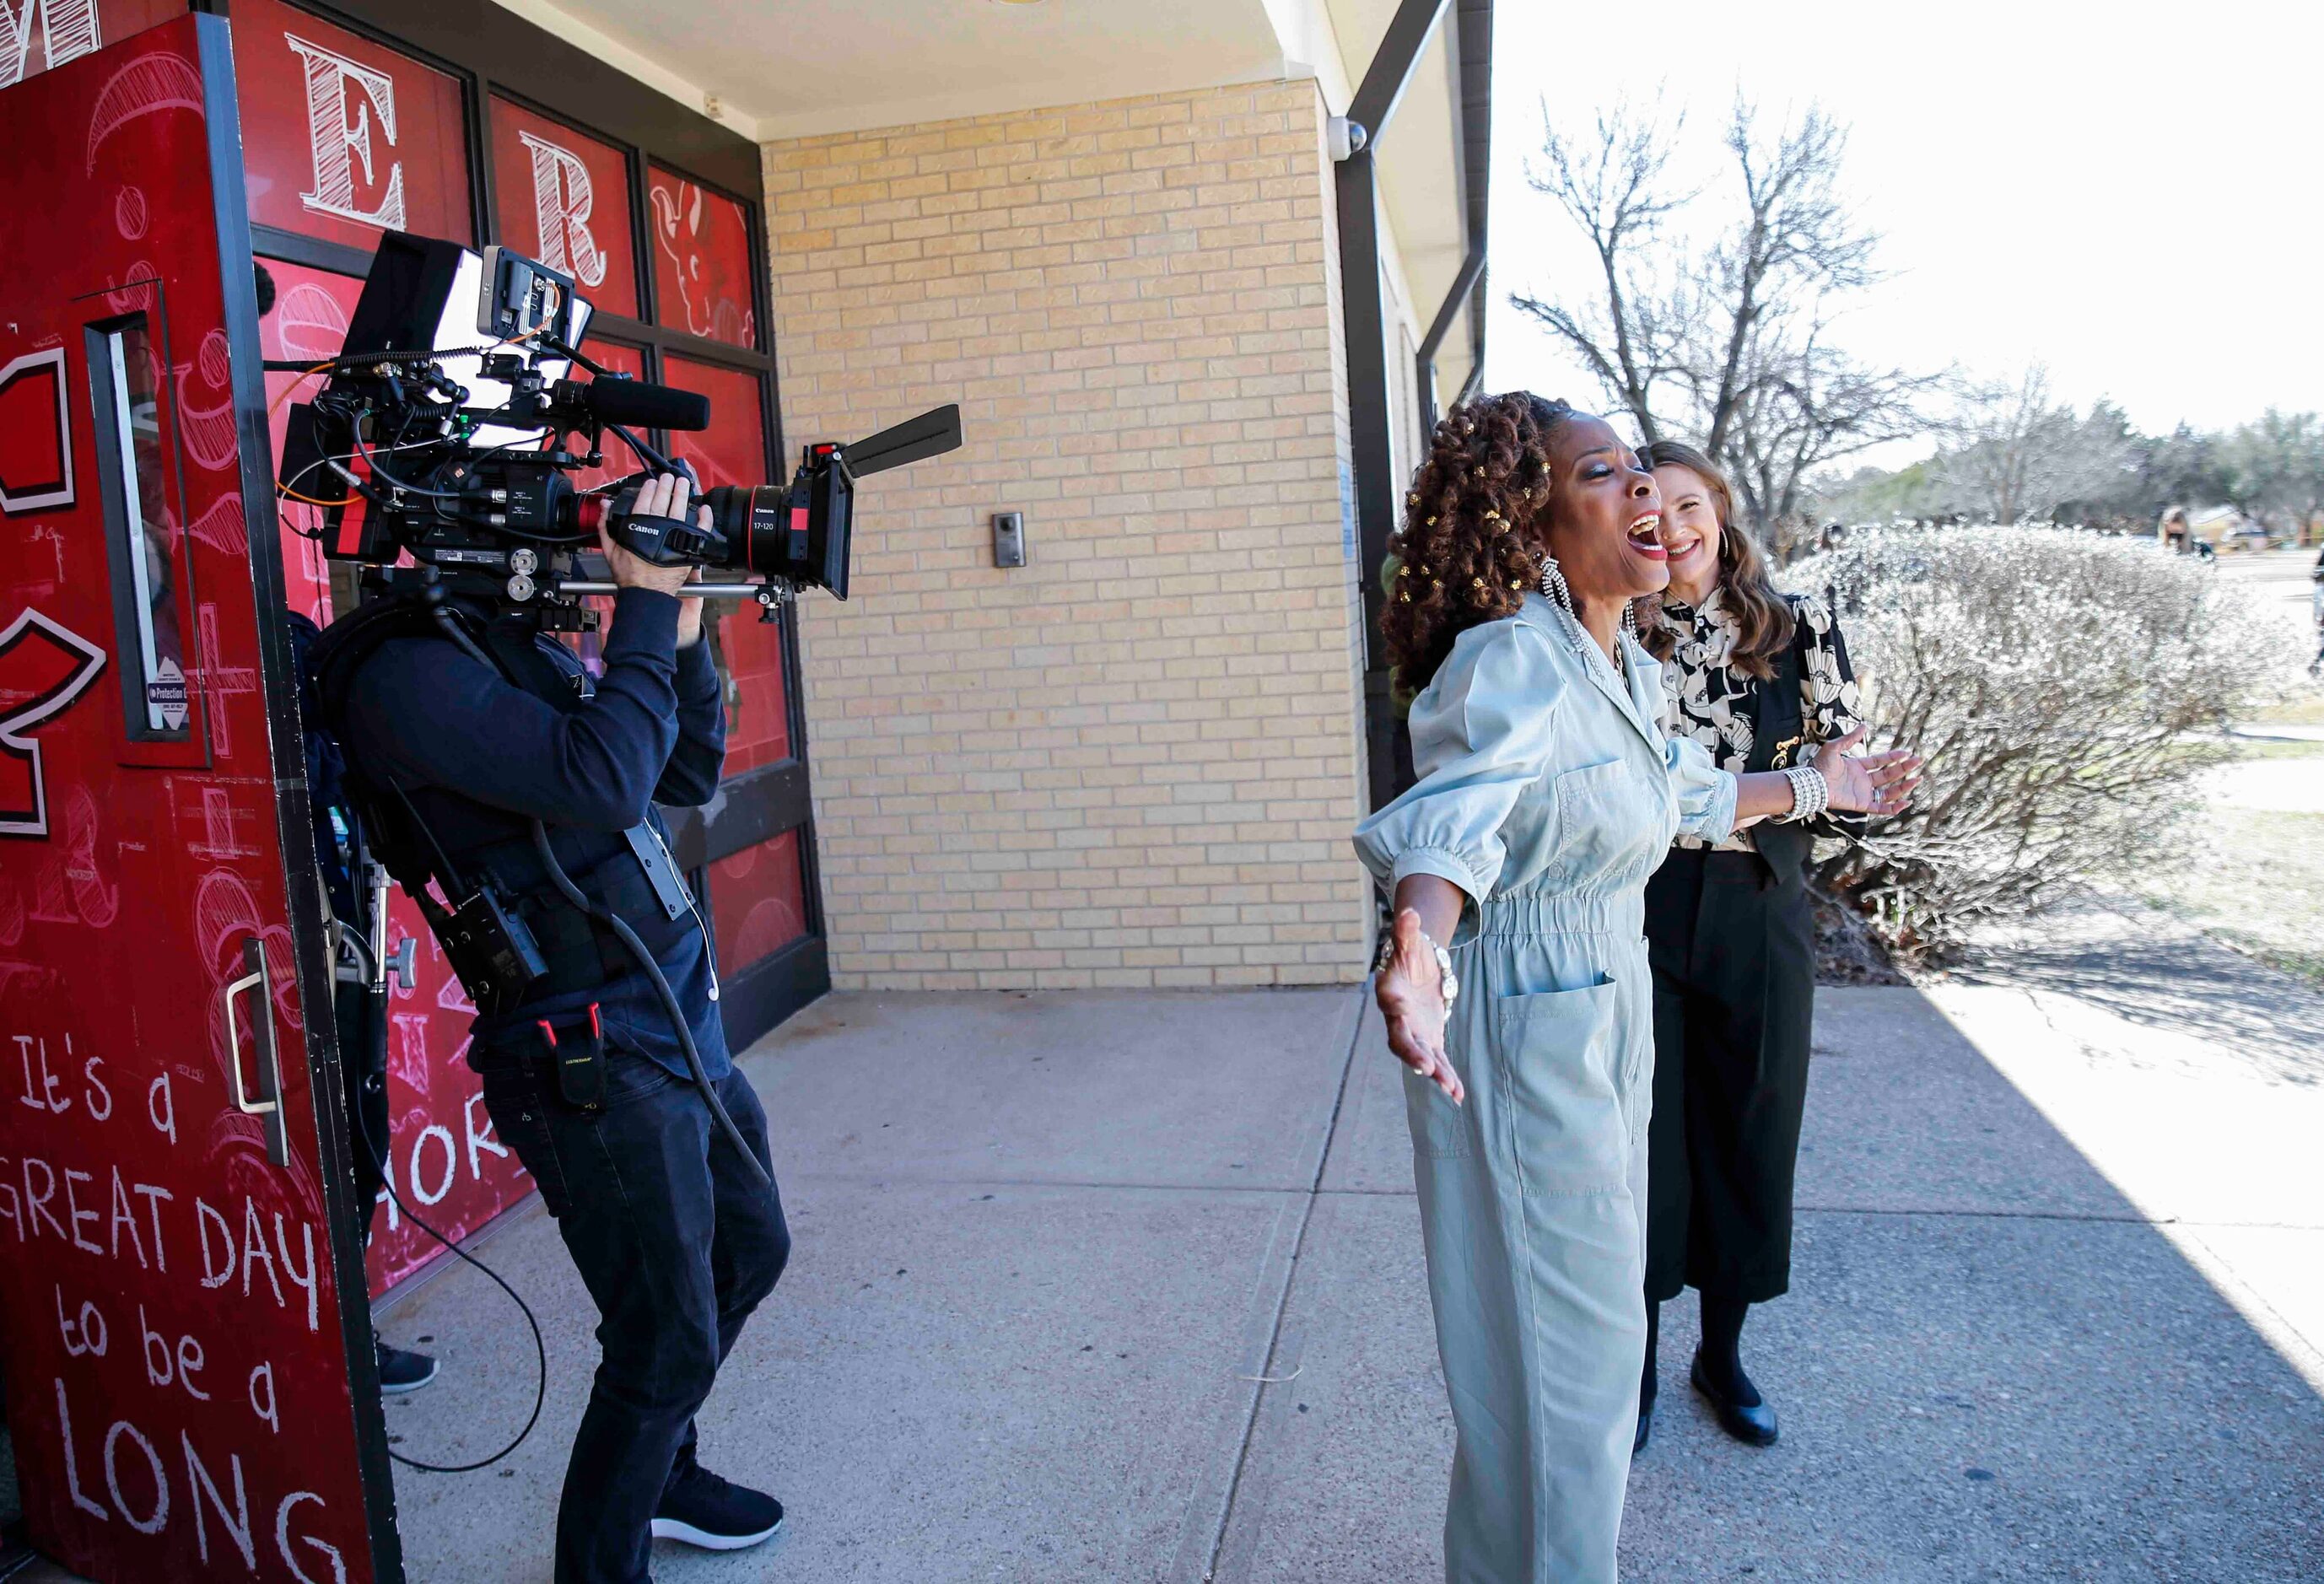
column 1878, row 784
column 1411, row 994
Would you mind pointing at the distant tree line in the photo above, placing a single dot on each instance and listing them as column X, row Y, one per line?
column 2011, row 453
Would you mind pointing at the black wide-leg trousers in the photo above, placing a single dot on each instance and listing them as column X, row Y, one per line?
column 1732, row 943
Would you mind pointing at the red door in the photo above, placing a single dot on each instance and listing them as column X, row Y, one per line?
column 185, row 1335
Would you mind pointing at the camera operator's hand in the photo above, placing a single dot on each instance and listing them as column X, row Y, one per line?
column 663, row 495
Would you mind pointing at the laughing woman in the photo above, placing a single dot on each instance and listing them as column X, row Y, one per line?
column 1515, row 982
column 1762, row 681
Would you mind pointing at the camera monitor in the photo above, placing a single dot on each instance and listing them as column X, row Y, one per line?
column 426, row 295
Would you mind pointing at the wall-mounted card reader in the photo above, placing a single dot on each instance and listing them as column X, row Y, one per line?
column 1009, row 538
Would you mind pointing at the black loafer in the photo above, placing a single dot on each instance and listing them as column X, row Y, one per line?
column 1753, row 1424
column 1645, row 1426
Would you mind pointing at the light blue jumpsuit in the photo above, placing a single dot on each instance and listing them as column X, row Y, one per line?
column 1549, row 791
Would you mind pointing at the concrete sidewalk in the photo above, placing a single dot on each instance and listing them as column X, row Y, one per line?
column 1129, row 1288
column 1126, row 1287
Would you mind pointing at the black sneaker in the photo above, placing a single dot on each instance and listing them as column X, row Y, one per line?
column 716, row 1515
column 402, row 1370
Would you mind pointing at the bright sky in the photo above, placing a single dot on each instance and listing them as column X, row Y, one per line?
column 2129, row 193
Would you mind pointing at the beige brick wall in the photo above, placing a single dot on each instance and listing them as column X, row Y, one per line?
column 1135, row 761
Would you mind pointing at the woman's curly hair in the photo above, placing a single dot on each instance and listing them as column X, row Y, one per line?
column 1472, row 543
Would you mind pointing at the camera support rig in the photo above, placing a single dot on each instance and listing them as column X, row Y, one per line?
column 441, row 494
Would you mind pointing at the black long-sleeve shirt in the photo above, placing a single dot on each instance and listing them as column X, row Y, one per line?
column 427, row 716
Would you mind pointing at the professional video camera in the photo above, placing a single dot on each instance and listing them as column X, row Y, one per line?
column 469, row 476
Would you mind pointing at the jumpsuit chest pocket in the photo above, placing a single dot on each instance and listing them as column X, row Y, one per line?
column 1610, row 821
column 1555, row 1056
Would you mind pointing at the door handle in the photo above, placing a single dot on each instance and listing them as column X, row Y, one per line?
column 269, row 1105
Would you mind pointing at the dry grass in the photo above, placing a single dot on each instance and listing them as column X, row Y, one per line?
column 2254, row 879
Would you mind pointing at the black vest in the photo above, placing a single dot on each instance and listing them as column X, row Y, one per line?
column 1779, row 741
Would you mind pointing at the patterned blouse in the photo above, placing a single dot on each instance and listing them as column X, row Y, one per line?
column 1703, row 699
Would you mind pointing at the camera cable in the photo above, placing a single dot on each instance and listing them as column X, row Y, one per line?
column 540, row 1349
column 620, row 929
column 350, row 938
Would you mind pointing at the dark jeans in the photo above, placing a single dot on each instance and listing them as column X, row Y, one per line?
column 675, row 1242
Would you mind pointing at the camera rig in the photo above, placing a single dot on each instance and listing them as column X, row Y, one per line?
column 466, row 484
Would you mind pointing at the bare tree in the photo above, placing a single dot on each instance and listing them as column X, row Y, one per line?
column 1612, row 185
column 2015, row 456
column 1797, row 242
column 1728, row 340
column 1810, row 406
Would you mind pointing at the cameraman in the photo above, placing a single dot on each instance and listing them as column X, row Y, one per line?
column 673, row 1233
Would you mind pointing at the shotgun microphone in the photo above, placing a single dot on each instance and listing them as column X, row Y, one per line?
column 639, row 405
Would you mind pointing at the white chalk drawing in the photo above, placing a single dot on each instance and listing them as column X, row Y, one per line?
column 216, row 366
column 209, row 431
column 129, row 214
column 562, row 199
column 309, row 323
column 670, row 217
column 68, row 29
column 220, row 682
column 336, row 143
column 54, row 487
column 41, row 708
column 134, row 293
column 147, row 86
column 223, row 527
column 72, row 887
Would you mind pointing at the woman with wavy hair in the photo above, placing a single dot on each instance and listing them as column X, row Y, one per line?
column 1514, row 980
column 1761, row 681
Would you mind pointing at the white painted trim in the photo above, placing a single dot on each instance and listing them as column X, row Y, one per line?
column 628, row 61
column 1311, row 47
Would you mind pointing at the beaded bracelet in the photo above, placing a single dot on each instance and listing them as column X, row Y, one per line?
column 1810, row 793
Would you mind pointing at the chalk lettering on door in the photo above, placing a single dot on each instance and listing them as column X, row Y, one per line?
column 46, row 1097
column 161, row 1108
column 419, row 1190
column 129, row 1462
column 85, row 1333
column 94, row 1095
column 68, row 31
column 73, row 1469
column 262, row 1396
column 151, row 1524
column 236, row 1523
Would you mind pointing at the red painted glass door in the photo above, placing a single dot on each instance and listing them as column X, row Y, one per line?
column 191, row 1390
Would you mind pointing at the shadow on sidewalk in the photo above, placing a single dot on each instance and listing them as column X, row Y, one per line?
column 2146, row 968
column 1114, row 1288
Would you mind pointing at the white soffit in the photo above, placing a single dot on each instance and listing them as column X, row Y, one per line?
column 1418, row 161
column 797, row 68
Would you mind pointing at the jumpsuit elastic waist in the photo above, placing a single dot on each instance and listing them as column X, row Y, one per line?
column 1624, row 915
